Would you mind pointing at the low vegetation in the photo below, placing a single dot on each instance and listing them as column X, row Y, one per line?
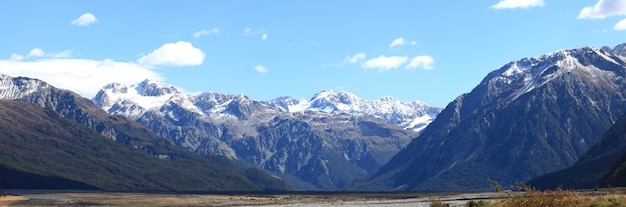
column 39, row 149
column 527, row 196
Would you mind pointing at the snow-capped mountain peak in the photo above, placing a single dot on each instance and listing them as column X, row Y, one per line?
column 409, row 115
column 14, row 88
column 522, row 76
column 620, row 49
column 154, row 88
column 136, row 99
column 331, row 101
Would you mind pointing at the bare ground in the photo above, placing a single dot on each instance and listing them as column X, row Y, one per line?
column 336, row 199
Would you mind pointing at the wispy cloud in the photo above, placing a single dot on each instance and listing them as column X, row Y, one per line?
column 201, row 33
column 354, row 58
column 253, row 32
column 260, row 69
column 350, row 59
column 177, row 54
column 515, row 4
column 38, row 53
column 16, row 57
column 384, row 63
column 603, row 9
column 621, row 25
column 85, row 19
column 86, row 77
column 82, row 76
column 423, row 61
column 397, row 42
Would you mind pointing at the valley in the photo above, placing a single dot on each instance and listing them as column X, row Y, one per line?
column 313, row 103
column 529, row 118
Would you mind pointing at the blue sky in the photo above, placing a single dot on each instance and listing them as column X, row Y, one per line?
column 431, row 51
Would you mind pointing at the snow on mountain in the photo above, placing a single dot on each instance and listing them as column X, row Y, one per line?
column 14, row 88
column 132, row 101
column 530, row 117
column 520, row 77
column 620, row 49
column 338, row 132
column 409, row 115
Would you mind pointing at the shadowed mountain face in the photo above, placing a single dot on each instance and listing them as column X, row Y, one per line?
column 62, row 135
column 531, row 117
column 319, row 144
column 592, row 167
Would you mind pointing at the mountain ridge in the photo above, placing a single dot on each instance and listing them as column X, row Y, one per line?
column 527, row 118
column 119, row 129
column 270, row 134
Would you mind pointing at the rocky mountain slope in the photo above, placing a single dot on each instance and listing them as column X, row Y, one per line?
column 62, row 133
column 322, row 143
column 530, row 117
column 409, row 115
column 592, row 167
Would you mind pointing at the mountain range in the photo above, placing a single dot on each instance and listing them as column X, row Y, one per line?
column 53, row 138
column 323, row 143
column 530, row 117
column 560, row 115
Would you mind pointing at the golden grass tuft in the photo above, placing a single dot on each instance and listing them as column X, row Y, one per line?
column 526, row 196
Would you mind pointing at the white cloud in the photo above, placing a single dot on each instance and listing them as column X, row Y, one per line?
column 260, row 69
column 252, row 32
column 16, row 57
column 62, row 54
column 621, row 25
column 354, row 58
column 85, row 19
column 350, row 59
column 383, row 63
column 397, row 42
column 423, row 61
column 82, row 76
column 603, row 9
column 514, row 4
column 206, row 32
column 249, row 32
column 36, row 52
column 177, row 54
column 413, row 43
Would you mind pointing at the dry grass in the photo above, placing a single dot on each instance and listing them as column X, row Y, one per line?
column 9, row 200
column 527, row 196
column 162, row 200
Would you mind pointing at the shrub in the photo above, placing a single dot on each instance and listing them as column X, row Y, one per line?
column 480, row 203
column 533, row 197
column 438, row 203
